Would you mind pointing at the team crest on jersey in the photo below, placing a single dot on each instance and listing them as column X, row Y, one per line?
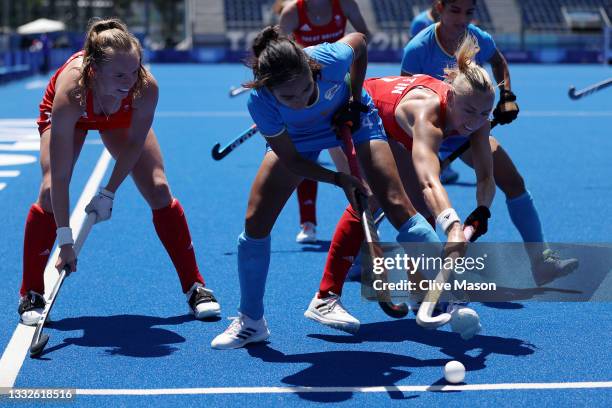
column 331, row 92
column 305, row 27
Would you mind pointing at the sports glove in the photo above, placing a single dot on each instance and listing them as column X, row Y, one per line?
column 506, row 110
column 102, row 205
column 479, row 220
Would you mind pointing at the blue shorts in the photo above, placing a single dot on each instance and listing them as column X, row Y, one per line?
column 450, row 144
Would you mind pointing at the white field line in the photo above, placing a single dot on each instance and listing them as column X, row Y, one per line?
column 17, row 348
column 382, row 389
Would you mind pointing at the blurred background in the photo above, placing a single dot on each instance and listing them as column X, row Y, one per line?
column 38, row 35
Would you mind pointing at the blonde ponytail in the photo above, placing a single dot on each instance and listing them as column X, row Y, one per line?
column 466, row 67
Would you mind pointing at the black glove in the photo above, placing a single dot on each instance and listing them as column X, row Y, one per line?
column 506, row 110
column 350, row 114
column 479, row 220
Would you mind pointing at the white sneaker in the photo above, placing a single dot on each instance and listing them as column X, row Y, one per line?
column 31, row 307
column 308, row 234
column 202, row 303
column 242, row 331
column 330, row 312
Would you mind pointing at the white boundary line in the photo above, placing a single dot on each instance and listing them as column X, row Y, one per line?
column 17, row 348
column 382, row 389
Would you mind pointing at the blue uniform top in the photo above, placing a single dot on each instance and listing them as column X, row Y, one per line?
column 309, row 128
column 420, row 22
column 424, row 55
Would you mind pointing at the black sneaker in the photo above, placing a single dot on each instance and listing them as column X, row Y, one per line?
column 202, row 302
column 31, row 307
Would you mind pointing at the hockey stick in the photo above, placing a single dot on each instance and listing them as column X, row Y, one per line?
column 235, row 91
column 40, row 340
column 218, row 153
column 367, row 221
column 591, row 89
column 425, row 316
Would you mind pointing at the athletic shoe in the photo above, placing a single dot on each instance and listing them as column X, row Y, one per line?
column 330, row 312
column 308, row 234
column 202, row 303
column 551, row 267
column 31, row 307
column 448, row 176
column 242, row 331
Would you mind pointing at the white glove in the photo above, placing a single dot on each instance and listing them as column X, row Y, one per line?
column 465, row 321
column 102, row 205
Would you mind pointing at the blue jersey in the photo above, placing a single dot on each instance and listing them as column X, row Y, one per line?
column 419, row 23
column 424, row 55
column 309, row 128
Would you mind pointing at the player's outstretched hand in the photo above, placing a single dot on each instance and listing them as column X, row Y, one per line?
column 351, row 185
column 102, row 205
column 507, row 109
column 479, row 220
column 67, row 257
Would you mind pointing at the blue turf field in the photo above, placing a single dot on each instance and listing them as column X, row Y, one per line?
column 121, row 321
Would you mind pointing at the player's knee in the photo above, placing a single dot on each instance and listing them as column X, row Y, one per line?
column 44, row 197
column 396, row 206
column 512, row 186
column 159, row 195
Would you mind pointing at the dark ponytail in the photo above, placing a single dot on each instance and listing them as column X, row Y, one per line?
column 277, row 60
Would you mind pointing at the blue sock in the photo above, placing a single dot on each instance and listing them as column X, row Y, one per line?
column 253, row 264
column 525, row 217
column 417, row 229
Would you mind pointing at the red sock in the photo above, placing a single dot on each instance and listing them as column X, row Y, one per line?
column 171, row 226
column 307, row 199
column 40, row 230
column 344, row 247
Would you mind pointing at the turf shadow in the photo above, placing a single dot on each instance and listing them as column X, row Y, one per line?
column 344, row 369
column 472, row 353
column 125, row 335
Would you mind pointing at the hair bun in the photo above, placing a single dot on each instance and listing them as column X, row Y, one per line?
column 264, row 38
column 97, row 25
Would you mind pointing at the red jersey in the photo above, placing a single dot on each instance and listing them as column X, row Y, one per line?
column 387, row 93
column 89, row 120
column 308, row 34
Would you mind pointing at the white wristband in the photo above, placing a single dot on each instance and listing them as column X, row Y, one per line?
column 64, row 236
column 446, row 218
